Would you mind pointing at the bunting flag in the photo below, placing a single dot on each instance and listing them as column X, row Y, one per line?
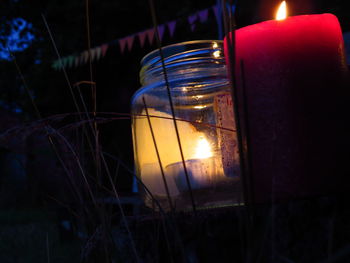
column 55, row 65
column 216, row 11
column 77, row 61
column 122, row 44
column 85, row 56
column 128, row 41
column 93, row 53
column 70, row 61
column 64, row 62
column 161, row 29
column 104, row 48
column 98, row 52
column 191, row 20
column 203, row 15
column 171, row 27
column 142, row 37
column 150, row 35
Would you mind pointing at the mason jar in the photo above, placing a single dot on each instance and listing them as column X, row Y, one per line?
column 196, row 79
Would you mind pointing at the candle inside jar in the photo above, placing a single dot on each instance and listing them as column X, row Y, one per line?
column 204, row 170
column 152, row 179
column 194, row 146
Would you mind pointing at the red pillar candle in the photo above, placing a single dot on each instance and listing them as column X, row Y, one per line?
column 294, row 74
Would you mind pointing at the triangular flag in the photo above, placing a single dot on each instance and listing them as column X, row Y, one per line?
column 150, row 35
column 122, row 44
column 81, row 58
column 85, row 56
column 55, row 65
column 77, row 60
column 171, row 27
column 232, row 7
column 104, row 48
column 98, row 52
column 63, row 62
column 142, row 37
column 191, row 20
column 203, row 15
column 92, row 53
column 70, row 61
column 130, row 41
column 161, row 29
column 216, row 12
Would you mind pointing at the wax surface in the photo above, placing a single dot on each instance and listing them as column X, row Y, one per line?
column 296, row 106
column 167, row 144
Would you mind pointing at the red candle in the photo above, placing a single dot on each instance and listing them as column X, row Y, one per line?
column 295, row 95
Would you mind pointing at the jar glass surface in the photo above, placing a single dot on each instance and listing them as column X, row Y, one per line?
column 195, row 73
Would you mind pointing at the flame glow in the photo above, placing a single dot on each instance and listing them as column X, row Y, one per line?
column 282, row 11
column 216, row 53
column 199, row 107
column 203, row 149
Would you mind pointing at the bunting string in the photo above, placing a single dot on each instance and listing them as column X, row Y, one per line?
column 127, row 43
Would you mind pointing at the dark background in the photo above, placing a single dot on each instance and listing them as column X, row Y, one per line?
column 116, row 77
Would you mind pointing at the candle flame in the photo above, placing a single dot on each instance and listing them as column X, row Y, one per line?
column 203, row 149
column 282, row 11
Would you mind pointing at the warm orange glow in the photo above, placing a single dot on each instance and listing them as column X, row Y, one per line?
column 199, row 107
column 282, row 11
column 203, row 149
column 216, row 54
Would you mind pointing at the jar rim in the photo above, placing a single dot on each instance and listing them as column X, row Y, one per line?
column 187, row 45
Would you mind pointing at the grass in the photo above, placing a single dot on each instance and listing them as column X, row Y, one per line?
column 23, row 238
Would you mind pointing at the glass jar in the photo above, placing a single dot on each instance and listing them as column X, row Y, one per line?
column 200, row 92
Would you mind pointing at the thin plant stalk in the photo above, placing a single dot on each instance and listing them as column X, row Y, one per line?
column 121, row 209
column 165, row 218
column 155, row 25
column 46, row 126
column 246, row 138
column 60, row 61
column 93, row 128
column 94, row 94
column 158, row 156
column 66, row 75
column 37, row 112
column 240, row 122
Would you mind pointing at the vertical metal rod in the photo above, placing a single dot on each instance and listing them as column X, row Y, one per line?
column 158, row 156
column 154, row 18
